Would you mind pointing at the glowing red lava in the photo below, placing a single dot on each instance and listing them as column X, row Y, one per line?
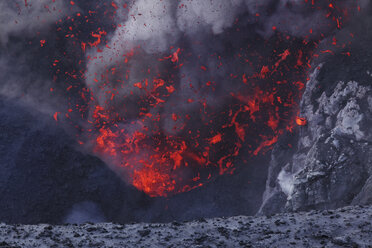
column 166, row 141
column 208, row 144
column 204, row 145
column 301, row 121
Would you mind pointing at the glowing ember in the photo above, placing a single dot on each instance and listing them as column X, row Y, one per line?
column 301, row 121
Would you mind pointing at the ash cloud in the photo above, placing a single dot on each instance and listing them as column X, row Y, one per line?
column 20, row 17
column 203, row 28
column 40, row 55
column 24, row 26
column 157, row 25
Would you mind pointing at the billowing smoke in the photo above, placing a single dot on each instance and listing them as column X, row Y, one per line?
column 162, row 27
column 27, row 17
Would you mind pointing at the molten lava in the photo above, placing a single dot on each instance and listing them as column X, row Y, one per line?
column 301, row 121
column 167, row 131
column 205, row 145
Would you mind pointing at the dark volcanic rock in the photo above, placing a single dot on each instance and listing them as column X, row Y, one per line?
column 331, row 164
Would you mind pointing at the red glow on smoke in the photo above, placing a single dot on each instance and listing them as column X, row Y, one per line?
column 207, row 141
column 161, row 164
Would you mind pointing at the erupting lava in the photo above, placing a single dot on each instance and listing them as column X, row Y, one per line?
column 170, row 121
column 199, row 146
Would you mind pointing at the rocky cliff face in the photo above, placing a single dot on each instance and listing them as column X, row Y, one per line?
column 331, row 163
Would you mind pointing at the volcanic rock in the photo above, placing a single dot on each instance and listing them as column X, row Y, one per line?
column 331, row 164
column 305, row 229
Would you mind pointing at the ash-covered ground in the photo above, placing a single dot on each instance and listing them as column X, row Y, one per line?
column 345, row 227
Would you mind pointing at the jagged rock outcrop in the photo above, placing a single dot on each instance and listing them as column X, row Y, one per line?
column 330, row 164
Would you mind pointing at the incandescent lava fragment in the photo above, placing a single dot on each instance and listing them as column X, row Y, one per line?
column 301, row 121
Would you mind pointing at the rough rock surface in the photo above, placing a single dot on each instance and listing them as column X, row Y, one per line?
column 330, row 165
column 346, row 227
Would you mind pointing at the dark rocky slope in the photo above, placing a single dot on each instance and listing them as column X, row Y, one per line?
column 45, row 179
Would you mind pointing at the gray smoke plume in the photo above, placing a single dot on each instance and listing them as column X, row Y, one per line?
column 27, row 17
column 155, row 26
